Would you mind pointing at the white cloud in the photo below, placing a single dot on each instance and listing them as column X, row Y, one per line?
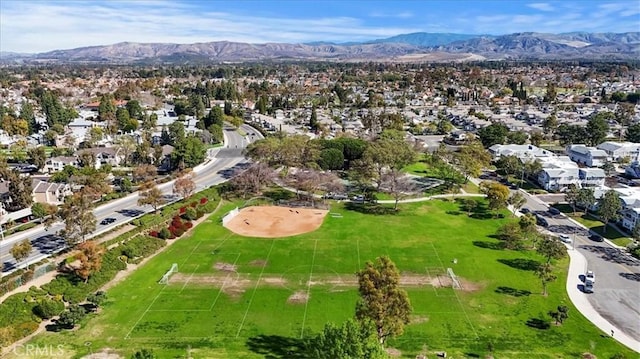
column 399, row 15
column 542, row 6
column 31, row 26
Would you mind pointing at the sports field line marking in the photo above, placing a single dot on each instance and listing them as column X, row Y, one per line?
column 457, row 297
column 145, row 313
column 255, row 289
column 188, row 279
column 222, row 286
column 358, row 250
column 306, row 304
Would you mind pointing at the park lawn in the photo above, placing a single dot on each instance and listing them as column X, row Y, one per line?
column 500, row 292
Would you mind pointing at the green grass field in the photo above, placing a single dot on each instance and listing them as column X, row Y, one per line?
column 234, row 297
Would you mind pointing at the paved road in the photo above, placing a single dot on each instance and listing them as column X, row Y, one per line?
column 218, row 168
column 617, row 287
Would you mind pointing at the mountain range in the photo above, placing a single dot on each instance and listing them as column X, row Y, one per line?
column 406, row 47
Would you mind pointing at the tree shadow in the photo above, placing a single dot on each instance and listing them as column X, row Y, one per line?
column 521, row 263
column 631, row 276
column 278, row 194
column 538, row 323
column 278, row 347
column 369, row 208
column 513, row 292
column 496, row 246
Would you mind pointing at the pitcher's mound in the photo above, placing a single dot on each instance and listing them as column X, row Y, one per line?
column 276, row 221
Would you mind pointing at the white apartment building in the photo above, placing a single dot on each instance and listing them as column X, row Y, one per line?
column 588, row 156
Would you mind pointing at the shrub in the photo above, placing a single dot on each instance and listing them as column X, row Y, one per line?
column 191, row 214
column 48, row 308
column 71, row 316
column 164, row 233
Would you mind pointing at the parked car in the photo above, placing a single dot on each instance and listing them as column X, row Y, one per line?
column 554, row 211
column 590, row 276
column 541, row 221
column 588, row 287
column 596, row 238
column 565, row 238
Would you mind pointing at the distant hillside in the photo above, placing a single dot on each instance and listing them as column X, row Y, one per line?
column 519, row 46
column 425, row 39
column 604, row 46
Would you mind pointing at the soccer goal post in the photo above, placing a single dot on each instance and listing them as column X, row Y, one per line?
column 165, row 277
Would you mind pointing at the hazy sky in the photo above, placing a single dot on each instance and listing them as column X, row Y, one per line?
column 41, row 25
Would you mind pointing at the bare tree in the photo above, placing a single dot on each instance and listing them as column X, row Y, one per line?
column 253, row 178
column 150, row 195
column 185, row 186
column 398, row 184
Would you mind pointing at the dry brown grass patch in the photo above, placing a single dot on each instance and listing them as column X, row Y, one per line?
column 298, row 297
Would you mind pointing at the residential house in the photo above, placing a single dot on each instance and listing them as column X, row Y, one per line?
column 591, row 177
column 51, row 193
column 56, row 164
column 558, row 173
column 104, row 155
column 588, row 156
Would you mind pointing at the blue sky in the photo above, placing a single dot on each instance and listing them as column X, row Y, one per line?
column 41, row 25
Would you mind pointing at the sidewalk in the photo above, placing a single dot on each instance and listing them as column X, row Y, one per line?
column 577, row 266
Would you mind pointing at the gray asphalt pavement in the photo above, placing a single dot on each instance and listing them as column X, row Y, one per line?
column 217, row 169
column 617, row 288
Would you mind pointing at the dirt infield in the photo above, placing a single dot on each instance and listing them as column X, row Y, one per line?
column 275, row 221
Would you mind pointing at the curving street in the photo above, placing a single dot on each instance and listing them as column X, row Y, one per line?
column 616, row 296
column 217, row 168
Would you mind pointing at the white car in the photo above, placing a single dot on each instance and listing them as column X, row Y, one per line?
column 590, row 276
column 565, row 238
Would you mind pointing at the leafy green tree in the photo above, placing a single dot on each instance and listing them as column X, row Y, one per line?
column 313, row 120
column 471, row 159
column 516, row 200
column 545, row 273
column 572, row 196
column 509, row 165
column 496, row 133
column 352, row 340
column 517, row 137
column 97, row 298
column 633, row 133
column 497, row 194
column 550, row 124
column 381, row 300
column 586, row 198
column 560, row 315
column 38, row 156
column 551, row 248
column 77, row 215
column 597, row 129
column 188, row 152
column 511, row 234
column 331, row 159
column 609, row 207
column 72, row 316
